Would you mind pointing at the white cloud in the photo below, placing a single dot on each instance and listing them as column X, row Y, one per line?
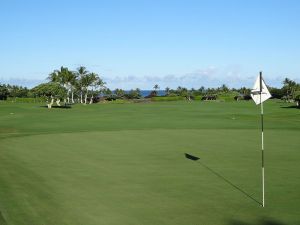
column 208, row 77
column 232, row 76
column 22, row 81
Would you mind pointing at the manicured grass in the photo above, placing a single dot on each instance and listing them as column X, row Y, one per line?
column 124, row 164
column 167, row 98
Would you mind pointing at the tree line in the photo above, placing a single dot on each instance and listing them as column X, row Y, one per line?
column 289, row 92
column 63, row 84
column 83, row 86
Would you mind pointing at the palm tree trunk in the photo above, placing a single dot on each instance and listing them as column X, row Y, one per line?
column 85, row 98
column 91, row 101
column 68, row 94
column 92, row 97
column 51, row 103
column 72, row 93
column 81, row 101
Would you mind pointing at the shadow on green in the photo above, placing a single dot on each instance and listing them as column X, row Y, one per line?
column 195, row 158
column 263, row 221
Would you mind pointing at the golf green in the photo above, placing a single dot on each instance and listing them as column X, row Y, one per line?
column 124, row 164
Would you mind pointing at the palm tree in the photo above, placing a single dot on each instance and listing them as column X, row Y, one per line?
column 67, row 77
column 93, row 81
column 290, row 87
column 53, row 77
column 72, row 84
column 63, row 77
column 119, row 92
column 286, row 83
column 86, row 81
column 224, row 88
column 78, row 88
column 96, row 82
column 80, row 73
column 156, row 88
column 201, row 89
column 182, row 91
column 167, row 90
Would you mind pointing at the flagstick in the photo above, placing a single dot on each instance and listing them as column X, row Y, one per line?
column 262, row 155
column 261, row 89
column 262, row 143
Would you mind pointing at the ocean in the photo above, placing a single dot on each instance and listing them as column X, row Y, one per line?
column 145, row 93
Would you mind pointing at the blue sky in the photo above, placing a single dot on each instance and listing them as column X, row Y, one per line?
column 140, row 43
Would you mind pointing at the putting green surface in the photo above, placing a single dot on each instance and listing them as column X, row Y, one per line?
column 124, row 164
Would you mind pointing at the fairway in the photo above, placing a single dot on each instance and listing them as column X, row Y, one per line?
column 112, row 164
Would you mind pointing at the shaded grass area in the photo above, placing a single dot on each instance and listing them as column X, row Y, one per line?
column 124, row 164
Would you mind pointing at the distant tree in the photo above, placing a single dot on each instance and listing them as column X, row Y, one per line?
column 179, row 88
column 289, row 86
column 297, row 100
column 3, row 92
column 96, row 84
column 68, row 78
column 80, row 73
column 16, row 91
column 138, row 93
column 156, row 88
column 202, row 90
column 167, row 91
column 80, row 81
column 224, row 88
column 244, row 91
column 119, row 93
column 134, row 94
column 107, row 91
column 91, row 82
column 50, row 90
column 72, row 84
column 65, row 77
column 278, row 93
column 182, row 91
column 87, row 80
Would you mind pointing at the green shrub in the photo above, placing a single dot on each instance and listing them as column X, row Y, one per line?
column 227, row 97
column 119, row 101
column 26, row 100
column 172, row 95
column 198, row 97
column 167, row 98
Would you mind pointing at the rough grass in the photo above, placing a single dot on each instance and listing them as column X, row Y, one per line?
column 124, row 164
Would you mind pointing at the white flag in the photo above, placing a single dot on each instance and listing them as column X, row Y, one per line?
column 255, row 92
